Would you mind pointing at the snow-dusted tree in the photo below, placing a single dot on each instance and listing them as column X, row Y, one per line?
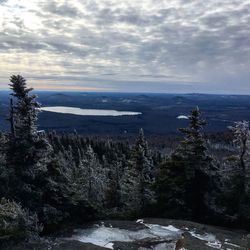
column 11, row 119
column 115, row 169
column 76, row 185
column 183, row 179
column 16, row 223
column 193, row 147
column 25, row 109
column 143, row 165
column 95, row 178
column 238, row 172
column 63, row 193
column 27, row 152
column 242, row 140
column 4, row 171
column 3, row 141
column 131, row 196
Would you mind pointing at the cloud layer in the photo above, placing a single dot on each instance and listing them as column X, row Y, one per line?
column 127, row 45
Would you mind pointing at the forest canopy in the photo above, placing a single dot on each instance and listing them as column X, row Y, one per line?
column 49, row 179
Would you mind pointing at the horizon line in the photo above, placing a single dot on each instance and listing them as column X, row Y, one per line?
column 130, row 92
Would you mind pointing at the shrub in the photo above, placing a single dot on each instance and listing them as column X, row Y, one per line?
column 17, row 223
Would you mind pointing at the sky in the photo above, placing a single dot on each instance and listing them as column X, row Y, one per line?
column 172, row 46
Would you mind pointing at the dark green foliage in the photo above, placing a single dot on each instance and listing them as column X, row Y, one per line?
column 131, row 192
column 143, row 165
column 27, row 152
column 183, row 180
column 17, row 223
column 4, row 171
column 65, row 197
column 235, row 193
column 70, row 178
column 25, row 109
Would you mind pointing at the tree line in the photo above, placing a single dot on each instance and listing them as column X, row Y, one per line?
column 48, row 180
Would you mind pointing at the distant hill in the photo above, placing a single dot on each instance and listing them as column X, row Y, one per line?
column 159, row 112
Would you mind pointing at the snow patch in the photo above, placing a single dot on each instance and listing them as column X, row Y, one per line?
column 214, row 245
column 211, row 239
column 139, row 221
column 159, row 229
column 172, row 228
column 156, row 226
column 182, row 117
column 162, row 246
column 105, row 236
column 231, row 244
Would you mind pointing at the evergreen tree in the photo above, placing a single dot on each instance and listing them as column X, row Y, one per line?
column 28, row 151
column 76, row 186
column 24, row 113
column 95, row 182
column 131, row 196
column 242, row 141
column 183, row 180
column 143, row 165
column 236, row 192
column 115, row 170
column 16, row 223
column 4, row 171
column 65, row 196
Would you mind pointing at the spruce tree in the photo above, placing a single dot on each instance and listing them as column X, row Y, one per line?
column 242, row 141
column 143, row 165
column 183, row 180
column 4, row 171
column 95, row 182
column 28, row 151
column 131, row 193
column 238, row 188
column 25, row 111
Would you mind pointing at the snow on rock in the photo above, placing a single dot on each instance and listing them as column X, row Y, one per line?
column 108, row 236
column 162, row 229
column 159, row 227
column 140, row 221
column 211, row 239
column 231, row 244
column 172, row 228
column 105, row 236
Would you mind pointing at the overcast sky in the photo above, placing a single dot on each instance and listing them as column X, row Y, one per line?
column 127, row 45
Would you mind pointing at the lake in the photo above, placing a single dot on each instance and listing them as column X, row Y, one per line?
column 88, row 112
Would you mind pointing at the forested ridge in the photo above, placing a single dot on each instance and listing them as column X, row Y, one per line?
column 48, row 180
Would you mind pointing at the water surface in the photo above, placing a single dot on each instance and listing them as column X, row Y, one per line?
column 88, row 112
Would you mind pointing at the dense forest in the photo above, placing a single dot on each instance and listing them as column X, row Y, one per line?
column 48, row 180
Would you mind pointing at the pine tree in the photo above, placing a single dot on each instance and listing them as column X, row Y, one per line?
column 143, row 165
column 238, row 188
column 183, row 179
column 4, row 171
column 242, row 141
column 115, row 170
column 24, row 112
column 95, row 182
column 27, row 152
column 131, row 197
column 63, row 194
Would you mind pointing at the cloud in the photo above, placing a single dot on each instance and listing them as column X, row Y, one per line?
column 161, row 44
column 61, row 9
